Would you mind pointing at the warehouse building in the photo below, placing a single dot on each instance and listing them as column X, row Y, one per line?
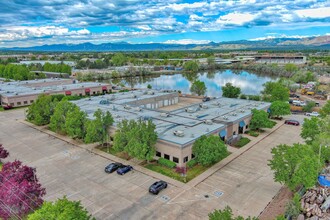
column 24, row 93
column 178, row 129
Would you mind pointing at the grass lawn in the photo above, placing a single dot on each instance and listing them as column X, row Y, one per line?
column 110, row 150
column 242, row 142
column 191, row 173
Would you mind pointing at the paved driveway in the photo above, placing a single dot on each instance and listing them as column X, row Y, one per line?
column 246, row 182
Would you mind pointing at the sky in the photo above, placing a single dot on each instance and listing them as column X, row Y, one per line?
column 25, row 23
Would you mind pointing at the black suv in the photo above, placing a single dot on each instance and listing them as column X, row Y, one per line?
column 206, row 99
column 157, row 187
column 112, row 167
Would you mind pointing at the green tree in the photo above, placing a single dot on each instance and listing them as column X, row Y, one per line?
column 191, row 66
column 211, row 62
column 310, row 129
column 149, row 86
column 260, row 120
column 58, row 119
column 293, row 207
column 230, row 91
column 325, row 110
column 295, row 165
column 198, row 87
column 75, row 123
column 61, row 209
column 279, row 108
column 118, row 59
column 275, row 91
column 41, row 110
column 97, row 130
column 137, row 138
column 309, row 107
column 290, row 67
column 226, row 214
column 209, row 150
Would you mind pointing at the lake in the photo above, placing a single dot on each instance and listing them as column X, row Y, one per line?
column 250, row 84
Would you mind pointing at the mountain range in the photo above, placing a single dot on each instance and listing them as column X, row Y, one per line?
column 318, row 43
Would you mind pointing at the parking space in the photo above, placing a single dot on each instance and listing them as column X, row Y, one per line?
column 245, row 184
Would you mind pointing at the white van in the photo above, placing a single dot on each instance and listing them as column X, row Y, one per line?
column 296, row 102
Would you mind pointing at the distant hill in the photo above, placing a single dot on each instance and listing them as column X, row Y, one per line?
column 322, row 42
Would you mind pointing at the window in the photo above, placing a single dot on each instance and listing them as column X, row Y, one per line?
column 31, row 101
column 175, row 160
column 19, row 103
column 158, row 154
column 192, row 156
column 80, row 94
column 247, row 126
column 94, row 93
column 234, row 133
column 166, row 156
column 12, row 104
column 25, row 102
column 185, row 159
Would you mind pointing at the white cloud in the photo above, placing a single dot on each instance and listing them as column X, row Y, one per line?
column 314, row 13
column 187, row 41
column 282, row 36
column 236, row 18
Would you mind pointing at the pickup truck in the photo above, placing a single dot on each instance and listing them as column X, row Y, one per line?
column 316, row 114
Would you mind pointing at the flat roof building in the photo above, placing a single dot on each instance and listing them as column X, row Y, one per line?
column 178, row 129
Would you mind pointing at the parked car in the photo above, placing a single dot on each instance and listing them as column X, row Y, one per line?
column 157, row 187
column 315, row 114
column 206, row 99
column 292, row 122
column 124, row 169
column 112, row 167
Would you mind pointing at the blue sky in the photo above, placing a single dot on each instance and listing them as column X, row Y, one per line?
column 36, row 22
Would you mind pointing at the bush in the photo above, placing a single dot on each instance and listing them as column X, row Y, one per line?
column 166, row 163
column 253, row 133
column 254, row 97
column 191, row 163
column 243, row 96
column 242, row 142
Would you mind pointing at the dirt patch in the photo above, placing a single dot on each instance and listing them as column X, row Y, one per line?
column 277, row 206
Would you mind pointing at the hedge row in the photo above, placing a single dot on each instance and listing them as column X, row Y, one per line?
column 191, row 163
column 166, row 163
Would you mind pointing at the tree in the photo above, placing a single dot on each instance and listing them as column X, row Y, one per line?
column 118, row 59
column 290, row 67
column 137, row 138
column 20, row 190
column 260, row 120
column 191, row 66
column 149, row 86
column 58, row 119
column 75, row 123
column 211, row 62
column 61, row 209
column 309, row 107
column 295, row 165
column 198, row 87
column 279, row 108
column 293, row 207
column 209, row 150
column 41, row 110
column 97, row 130
column 3, row 153
column 275, row 91
column 226, row 214
column 325, row 110
column 310, row 129
column 230, row 91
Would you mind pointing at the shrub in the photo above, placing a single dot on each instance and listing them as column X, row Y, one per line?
column 166, row 163
column 243, row 96
column 254, row 97
column 191, row 163
column 253, row 133
column 242, row 142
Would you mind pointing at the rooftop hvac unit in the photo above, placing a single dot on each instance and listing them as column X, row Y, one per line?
column 133, row 96
column 112, row 97
column 216, row 103
column 189, row 110
column 151, row 93
column 116, row 116
column 127, row 107
column 208, row 122
column 256, row 104
column 234, row 114
column 178, row 133
column 225, row 117
column 16, row 93
column 203, row 106
column 242, row 110
column 164, row 115
column 145, row 92
column 138, row 109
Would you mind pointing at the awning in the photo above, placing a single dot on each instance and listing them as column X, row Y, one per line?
column 223, row 133
column 104, row 88
column 67, row 92
column 88, row 90
column 242, row 124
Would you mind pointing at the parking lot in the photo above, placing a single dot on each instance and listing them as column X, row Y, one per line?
column 245, row 184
